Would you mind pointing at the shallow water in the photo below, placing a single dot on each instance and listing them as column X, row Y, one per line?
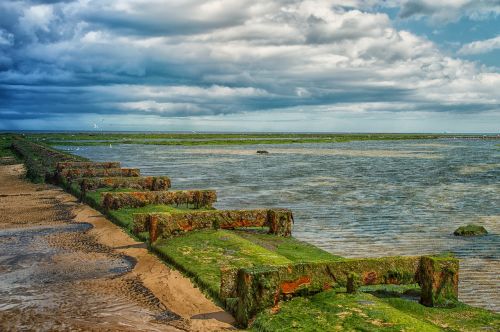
column 45, row 287
column 355, row 199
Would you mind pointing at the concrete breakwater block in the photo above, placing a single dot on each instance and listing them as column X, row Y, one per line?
column 197, row 198
column 154, row 183
column 279, row 221
column 248, row 291
column 72, row 173
column 439, row 281
column 40, row 160
column 87, row 165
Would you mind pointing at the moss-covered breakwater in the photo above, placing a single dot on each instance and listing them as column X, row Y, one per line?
column 251, row 271
column 164, row 225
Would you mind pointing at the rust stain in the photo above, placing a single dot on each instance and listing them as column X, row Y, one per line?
column 369, row 278
column 242, row 223
column 153, row 228
column 276, row 300
column 290, row 287
column 186, row 227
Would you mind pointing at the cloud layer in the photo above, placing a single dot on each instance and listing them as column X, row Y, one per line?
column 481, row 46
column 189, row 59
column 449, row 10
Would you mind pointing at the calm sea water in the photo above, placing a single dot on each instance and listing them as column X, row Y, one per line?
column 355, row 199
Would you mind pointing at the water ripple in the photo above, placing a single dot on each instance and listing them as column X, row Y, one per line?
column 355, row 199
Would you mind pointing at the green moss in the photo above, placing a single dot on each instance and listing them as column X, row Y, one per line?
column 353, row 282
column 402, row 277
column 125, row 216
column 203, row 253
column 470, row 230
column 39, row 159
column 289, row 247
column 460, row 318
column 439, row 280
column 95, row 195
column 328, row 311
column 412, row 290
column 114, row 136
column 7, row 155
column 90, row 139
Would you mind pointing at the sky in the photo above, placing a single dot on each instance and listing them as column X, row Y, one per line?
column 250, row 65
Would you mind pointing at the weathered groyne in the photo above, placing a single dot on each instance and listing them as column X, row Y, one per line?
column 248, row 290
column 278, row 221
column 41, row 160
column 154, row 183
column 196, row 198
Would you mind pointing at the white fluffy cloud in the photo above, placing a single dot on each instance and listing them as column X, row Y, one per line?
column 190, row 58
column 449, row 10
column 480, row 46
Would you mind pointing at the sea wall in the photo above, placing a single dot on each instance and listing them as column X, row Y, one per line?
column 87, row 165
column 196, row 198
column 72, row 173
column 40, row 160
column 248, row 291
column 153, row 183
column 279, row 221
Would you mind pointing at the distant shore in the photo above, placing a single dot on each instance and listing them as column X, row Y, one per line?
column 197, row 139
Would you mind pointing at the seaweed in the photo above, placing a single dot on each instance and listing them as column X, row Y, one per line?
column 278, row 221
column 198, row 198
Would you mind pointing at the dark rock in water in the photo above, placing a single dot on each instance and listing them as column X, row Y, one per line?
column 262, row 152
column 470, row 230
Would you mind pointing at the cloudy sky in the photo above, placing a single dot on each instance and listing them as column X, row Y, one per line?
column 251, row 65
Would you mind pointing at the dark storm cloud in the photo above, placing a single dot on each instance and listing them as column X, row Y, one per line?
column 191, row 58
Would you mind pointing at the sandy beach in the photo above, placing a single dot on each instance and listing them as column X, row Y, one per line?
column 64, row 266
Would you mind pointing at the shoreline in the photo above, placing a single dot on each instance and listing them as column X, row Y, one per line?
column 174, row 291
column 212, row 256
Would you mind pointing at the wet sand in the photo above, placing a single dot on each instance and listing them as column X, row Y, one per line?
column 63, row 267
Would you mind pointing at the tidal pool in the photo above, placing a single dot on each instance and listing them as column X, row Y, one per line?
column 355, row 199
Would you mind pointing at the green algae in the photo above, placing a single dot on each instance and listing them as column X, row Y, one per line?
column 7, row 155
column 189, row 139
column 388, row 314
column 187, row 198
column 439, row 281
column 470, row 230
column 291, row 248
column 462, row 317
column 353, row 282
column 201, row 254
column 164, row 225
column 331, row 311
column 299, row 279
column 40, row 160
column 95, row 196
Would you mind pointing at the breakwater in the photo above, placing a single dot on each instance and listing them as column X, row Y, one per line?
column 362, row 199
